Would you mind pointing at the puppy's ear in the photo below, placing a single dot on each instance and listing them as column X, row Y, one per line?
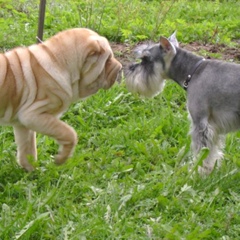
column 173, row 39
column 167, row 46
column 95, row 48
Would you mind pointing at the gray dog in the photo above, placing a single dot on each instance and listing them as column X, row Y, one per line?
column 213, row 92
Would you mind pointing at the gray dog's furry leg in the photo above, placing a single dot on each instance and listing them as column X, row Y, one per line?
column 204, row 135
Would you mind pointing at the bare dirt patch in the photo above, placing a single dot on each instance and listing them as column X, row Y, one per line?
column 124, row 52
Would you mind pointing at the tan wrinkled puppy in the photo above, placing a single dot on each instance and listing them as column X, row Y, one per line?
column 38, row 83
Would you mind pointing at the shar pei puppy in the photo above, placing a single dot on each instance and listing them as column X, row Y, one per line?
column 39, row 82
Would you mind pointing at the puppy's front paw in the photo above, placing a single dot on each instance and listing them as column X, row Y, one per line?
column 27, row 166
column 59, row 159
column 65, row 152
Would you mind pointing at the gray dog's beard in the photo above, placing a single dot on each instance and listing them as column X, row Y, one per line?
column 145, row 78
column 140, row 80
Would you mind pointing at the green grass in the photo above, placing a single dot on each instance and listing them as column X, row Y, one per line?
column 130, row 176
column 124, row 21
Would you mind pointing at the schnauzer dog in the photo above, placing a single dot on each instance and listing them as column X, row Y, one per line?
column 213, row 92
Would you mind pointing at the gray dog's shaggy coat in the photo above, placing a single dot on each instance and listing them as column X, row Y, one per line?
column 213, row 92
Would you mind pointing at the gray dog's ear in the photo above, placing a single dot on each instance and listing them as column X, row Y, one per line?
column 173, row 39
column 167, row 46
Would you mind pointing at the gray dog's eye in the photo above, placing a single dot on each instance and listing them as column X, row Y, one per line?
column 146, row 59
column 146, row 53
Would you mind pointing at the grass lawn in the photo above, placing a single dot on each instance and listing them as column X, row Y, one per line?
column 131, row 175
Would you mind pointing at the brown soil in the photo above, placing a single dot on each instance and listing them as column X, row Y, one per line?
column 124, row 52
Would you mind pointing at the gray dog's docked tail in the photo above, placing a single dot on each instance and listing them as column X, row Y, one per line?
column 213, row 92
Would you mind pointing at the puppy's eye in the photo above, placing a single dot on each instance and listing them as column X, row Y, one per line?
column 93, row 53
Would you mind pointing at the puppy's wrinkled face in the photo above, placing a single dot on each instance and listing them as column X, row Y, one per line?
column 112, row 70
column 100, row 69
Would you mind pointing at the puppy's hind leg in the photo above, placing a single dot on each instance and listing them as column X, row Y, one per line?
column 204, row 135
column 26, row 146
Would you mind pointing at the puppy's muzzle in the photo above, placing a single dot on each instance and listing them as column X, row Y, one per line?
column 119, row 71
column 113, row 72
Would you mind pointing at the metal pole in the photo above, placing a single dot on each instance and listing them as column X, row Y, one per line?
column 42, row 6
